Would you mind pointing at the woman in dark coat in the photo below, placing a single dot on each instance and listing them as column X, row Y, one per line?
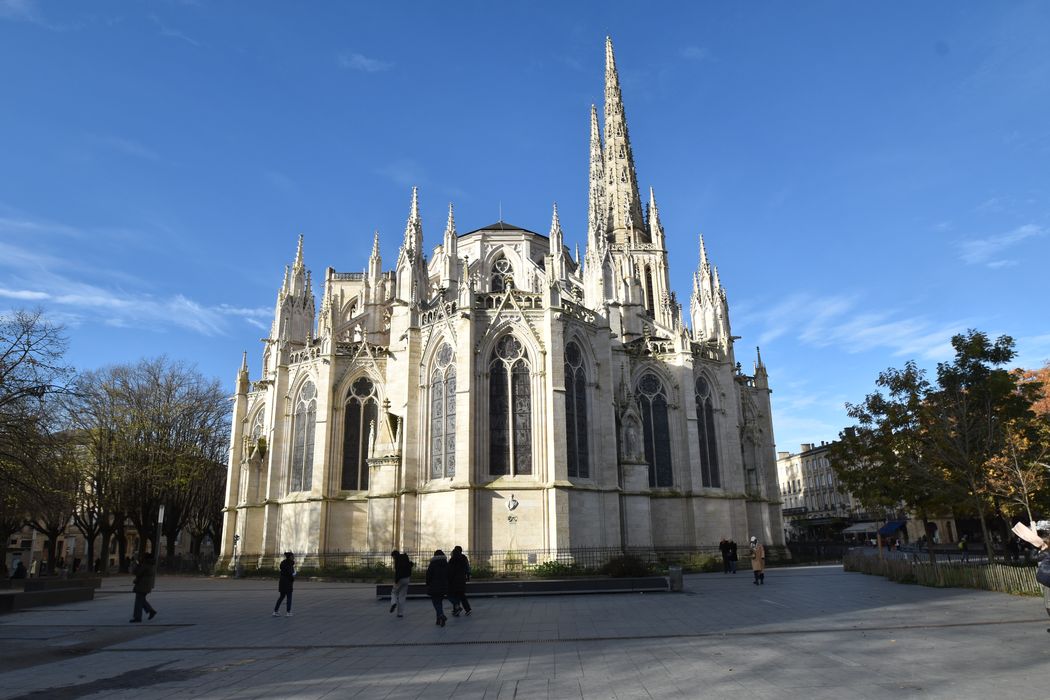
column 437, row 584
column 284, row 586
column 458, row 575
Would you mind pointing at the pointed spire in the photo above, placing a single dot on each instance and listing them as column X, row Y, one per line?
column 758, row 361
column 555, row 223
column 620, row 176
column 298, row 265
column 414, row 211
column 244, row 362
column 655, row 228
column 596, row 208
column 414, row 227
column 718, row 282
column 577, row 255
column 375, row 244
column 450, row 227
column 703, row 253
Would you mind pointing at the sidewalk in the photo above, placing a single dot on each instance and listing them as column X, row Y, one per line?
column 814, row 631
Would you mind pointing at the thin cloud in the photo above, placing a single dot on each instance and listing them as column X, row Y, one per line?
column 986, row 251
column 359, row 62
column 128, row 147
column 172, row 32
column 405, row 172
column 695, row 53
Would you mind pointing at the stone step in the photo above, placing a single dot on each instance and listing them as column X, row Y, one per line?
column 12, row 601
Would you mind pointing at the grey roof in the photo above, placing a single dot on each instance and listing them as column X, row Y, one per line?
column 501, row 226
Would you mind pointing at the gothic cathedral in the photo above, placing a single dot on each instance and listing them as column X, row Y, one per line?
column 505, row 395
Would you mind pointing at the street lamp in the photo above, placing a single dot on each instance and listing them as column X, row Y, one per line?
column 160, row 523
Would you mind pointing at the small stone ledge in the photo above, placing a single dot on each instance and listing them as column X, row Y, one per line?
column 572, row 586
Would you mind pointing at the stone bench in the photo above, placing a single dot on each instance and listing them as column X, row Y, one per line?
column 12, row 601
column 571, row 586
column 53, row 584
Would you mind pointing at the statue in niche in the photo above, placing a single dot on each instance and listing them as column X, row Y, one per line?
column 631, row 443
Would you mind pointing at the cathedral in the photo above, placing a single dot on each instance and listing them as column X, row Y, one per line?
column 505, row 395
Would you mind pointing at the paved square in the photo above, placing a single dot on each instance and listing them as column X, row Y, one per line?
column 815, row 632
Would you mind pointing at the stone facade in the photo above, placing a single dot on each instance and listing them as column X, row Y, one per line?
column 503, row 395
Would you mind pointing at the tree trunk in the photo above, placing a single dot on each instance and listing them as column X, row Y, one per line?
column 984, row 530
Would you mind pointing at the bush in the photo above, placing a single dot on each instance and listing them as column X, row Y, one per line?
column 556, row 569
column 626, row 565
column 707, row 563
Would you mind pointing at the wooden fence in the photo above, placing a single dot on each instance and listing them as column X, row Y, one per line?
column 1004, row 578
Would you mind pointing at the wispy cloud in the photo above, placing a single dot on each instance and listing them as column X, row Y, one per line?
column 26, row 11
column 359, row 62
column 64, row 283
column 173, row 33
column 838, row 321
column 986, row 251
column 128, row 147
column 695, row 53
column 280, row 181
column 405, row 171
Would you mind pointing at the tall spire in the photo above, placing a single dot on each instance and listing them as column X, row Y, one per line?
column 621, row 179
column 375, row 244
column 555, row 225
column 597, row 219
column 414, row 227
column 656, row 230
column 298, row 265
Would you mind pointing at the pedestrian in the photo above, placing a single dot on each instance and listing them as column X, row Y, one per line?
column 145, row 577
column 402, row 578
column 1042, row 573
column 284, row 585
column 20, row 570
column 458, row 575
column 732, row 556
column 723, row 547
column 963, row 548
column 437, row 584
column 758, row 561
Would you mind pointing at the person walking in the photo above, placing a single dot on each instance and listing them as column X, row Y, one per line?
column 284, row 585
column 402, row 578
column 458, row 575
column 723, row 547
column 732, row 556
column 437, row 584
column 1042, row 572
column 758, row 561
column 20, row 570
column 145, row 578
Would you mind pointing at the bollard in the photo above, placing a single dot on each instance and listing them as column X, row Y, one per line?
column 674, row 575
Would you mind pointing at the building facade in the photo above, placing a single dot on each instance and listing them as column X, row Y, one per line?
column 502, row 394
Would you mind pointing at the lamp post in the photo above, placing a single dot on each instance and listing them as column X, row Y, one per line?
column 160, row 523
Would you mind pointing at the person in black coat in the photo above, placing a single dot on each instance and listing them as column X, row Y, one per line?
column 20, row 570
column 402, row 579
column 145, row 577
column 284, row 585
column 458, row 575
column 731, row 549
column 437, row 584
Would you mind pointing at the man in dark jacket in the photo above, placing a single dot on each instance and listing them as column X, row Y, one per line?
column 723, row 547
column 402, row 578
column 145, row 577
column 437, row 584
column 458, row 575
column 284, row 585
column 731, row 549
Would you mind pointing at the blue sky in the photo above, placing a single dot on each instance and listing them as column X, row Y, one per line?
column 870, row 178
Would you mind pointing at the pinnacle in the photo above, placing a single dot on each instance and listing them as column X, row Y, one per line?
column 244, row 361
column 555, row 222
column 414, row 212
column 703, row 252
column 375, row 244
column 450, row 227
column 299, row 253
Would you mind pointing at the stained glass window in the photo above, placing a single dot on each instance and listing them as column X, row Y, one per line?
column 652, row 401
column 576, row 412
column 359, row 420
column 705, row 427
column 304, row 418
column 443, row 414
column 510, row 409
column 502, row 275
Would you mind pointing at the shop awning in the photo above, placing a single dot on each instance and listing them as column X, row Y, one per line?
column 892, row 527
column 860, row 528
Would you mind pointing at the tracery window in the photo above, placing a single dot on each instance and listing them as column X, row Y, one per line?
column 359, row 420
column 652, row 401
column 443, row 414
column 650, row 303
column 303, row 420
column 510, row 409
column 502, row 275
column 576, row 412
column 705, row 428
column 252, row 455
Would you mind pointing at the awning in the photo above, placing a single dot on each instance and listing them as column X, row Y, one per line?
column 860, row 528
column 891, row 527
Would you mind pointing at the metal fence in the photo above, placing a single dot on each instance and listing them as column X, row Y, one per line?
column 490, row 563
column 1004, row 578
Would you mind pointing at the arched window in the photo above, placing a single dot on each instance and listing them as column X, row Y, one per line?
column 502, row 275
column 705, row 427
column 576, row 412
column 510, row 409
column 303, row 420
column 443, row 414
column 252, row 457
column 359, row 420
column 652, row 400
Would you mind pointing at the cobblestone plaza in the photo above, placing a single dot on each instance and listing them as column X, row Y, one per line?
column 815, row 632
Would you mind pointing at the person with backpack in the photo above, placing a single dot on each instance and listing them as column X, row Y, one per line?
column 458, row 575
column 402, row 578
column 437, row 584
